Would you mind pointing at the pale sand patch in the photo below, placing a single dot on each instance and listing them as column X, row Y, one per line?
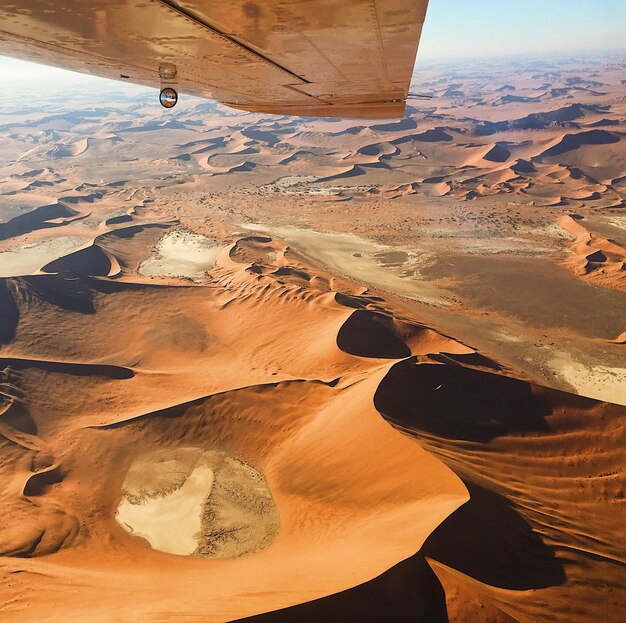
column 598, row 382
column 154, row 518
column 359, row 259
column 618, row 221
column 294, row 180
column 30, row 258
column 181, row 253
column 191, row 501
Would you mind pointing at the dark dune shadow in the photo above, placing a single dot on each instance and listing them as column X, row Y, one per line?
column 574, row 141
column 409, row 592
column 356, row 302
column 488, row 540
column 18, row 417
column 40, row 218
column 131, row 231
column 75, row 369
column 564, row 116
column 288, row 271
column 435, row 135
column 370, row 334
column 9, row 312
column 117, row 220
column 76, row 293
column 498, row 153
column 370, row 150
column 252, row 249
column 459, row 403
column 262, row 136
column 405, row 124
column 89, row 261
column 435, row 180
column 89, row 198
column 40, row 483
column 70, row 294
column 352, row 172
column 523, row 166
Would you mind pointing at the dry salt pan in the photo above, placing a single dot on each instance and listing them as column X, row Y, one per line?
column 181, row 253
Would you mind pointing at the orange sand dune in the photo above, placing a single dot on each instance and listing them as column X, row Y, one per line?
column 91, row 260
column 594, row 257
column 306, row 420
column 292, row 372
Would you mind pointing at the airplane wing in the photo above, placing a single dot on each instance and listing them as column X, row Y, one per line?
column 323, row 58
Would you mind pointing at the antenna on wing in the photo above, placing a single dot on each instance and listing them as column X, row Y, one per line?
column 419, row 96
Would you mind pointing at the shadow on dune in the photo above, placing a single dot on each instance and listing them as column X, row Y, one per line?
column 89, row 261
column 498, row 153
column 9, row 312
column 40, row 218
column 118, row 220
column 356, row 302
column 252, row 249
column 131, row 231
column 488, row 540
column 41, row 482
column 394, row 126
column 409, row 592
column 459, row 403
column 76, row 292
column 370, row 334
column 68, row 294
column 484, row 539
column 573, row 141
column 75, row 369
column 353, row 171
column 71, row 293
column 18, row 418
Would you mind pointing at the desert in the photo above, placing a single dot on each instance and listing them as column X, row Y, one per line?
column 267, row 368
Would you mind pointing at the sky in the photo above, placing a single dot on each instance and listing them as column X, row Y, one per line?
column 495, row 28
column 453, row 29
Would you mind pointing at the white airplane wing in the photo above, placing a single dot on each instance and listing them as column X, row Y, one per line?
column 326, row 58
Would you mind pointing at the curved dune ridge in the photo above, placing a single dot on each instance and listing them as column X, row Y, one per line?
column 593, row 257
column 277, row 440
column 92, row 260
column 455, row 160
column 467, row 145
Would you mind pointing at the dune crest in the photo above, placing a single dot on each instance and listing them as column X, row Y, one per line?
column 595, row 258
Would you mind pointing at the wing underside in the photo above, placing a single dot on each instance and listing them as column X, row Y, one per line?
column 328, row 58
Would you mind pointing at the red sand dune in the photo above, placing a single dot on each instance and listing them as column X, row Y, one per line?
column 270, row 365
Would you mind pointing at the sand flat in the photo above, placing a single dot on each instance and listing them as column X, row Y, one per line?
column 598, row 382
column 31, row 257
column 181, row 253
column 359, row 259
column 192, row 501
column 170, row 523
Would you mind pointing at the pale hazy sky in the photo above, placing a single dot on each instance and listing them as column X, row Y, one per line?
column 458, row 29
column 461, row 28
